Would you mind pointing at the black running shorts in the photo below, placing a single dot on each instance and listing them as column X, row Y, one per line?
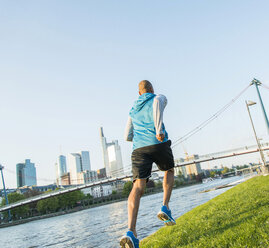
column 144, row 157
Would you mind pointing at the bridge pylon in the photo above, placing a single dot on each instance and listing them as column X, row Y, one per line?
column 257, row 83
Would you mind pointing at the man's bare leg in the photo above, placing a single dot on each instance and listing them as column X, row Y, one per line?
column 133, row 203
column 168, row 182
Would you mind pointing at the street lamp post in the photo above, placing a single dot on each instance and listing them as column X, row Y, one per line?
column 264, row 167
column 5, row 192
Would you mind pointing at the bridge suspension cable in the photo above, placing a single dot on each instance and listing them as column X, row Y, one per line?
column 265, row 86
column 207, row 121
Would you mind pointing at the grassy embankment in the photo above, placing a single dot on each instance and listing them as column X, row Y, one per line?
column 237, row 218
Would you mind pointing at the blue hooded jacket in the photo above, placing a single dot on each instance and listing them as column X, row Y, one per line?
column 143, row 122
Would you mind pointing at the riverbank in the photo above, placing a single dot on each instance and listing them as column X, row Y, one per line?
column 99, row 202
column 237, row 218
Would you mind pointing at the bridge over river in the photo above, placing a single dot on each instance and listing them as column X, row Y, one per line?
column 204, row 158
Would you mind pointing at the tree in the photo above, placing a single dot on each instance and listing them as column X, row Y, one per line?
column 89, row 196
column 127, row 188
column 225, row 170
column 180, row 175
column 212, row 173
column 70, row 199
column 48, row 205
column 31, row 193
column 150, row 184
column 178, row 182
column 55, row 203
column 218, row 172
column 19, row 212
column 158, row 184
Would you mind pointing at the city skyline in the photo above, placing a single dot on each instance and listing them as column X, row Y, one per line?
column 63, row 77
column 86, row 176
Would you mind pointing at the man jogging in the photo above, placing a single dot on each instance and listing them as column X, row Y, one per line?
column 150, row 145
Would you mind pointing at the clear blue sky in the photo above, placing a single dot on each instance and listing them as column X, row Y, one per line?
column 69, row 67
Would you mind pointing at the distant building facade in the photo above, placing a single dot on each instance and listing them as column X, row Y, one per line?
column 26, row 174
column 188, row 170
column 41, row 189
column 101, row 173
column 111, row 156
column 195, row 168
column 61, row 168
column 80, row 168
column 74, row 164
column 65, row 179
column 85, row 160
column 181, row 170
column 87, row 177
column 99, row 191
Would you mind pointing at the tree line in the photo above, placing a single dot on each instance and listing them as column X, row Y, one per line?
column 45, row 206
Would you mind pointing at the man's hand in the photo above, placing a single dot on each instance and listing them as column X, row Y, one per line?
column 160, row 137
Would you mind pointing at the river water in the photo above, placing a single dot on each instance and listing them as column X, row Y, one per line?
column 103, row 226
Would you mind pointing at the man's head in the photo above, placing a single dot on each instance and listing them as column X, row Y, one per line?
column 145, row 87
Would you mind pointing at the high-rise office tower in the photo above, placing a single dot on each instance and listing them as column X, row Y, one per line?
column 26, row 174
column 85, row 160
column 111, row 156
column 78, row 162
column 61, row 169
column 20, row 175
column 74, row 167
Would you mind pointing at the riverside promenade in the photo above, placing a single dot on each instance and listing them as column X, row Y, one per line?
column 237, row 218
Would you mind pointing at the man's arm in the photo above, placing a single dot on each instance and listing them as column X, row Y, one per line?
column 159, row 105
column 129, row 130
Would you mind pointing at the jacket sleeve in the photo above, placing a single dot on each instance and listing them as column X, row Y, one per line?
column 159, row 105
column 129, row 134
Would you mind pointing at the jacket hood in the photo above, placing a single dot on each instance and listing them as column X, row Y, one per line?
column 142, row 100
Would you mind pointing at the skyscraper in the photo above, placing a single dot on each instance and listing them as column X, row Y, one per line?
column 78, row 162
column 74, row 167
column 85, row 160
column 26, row 174
column 61, row 169
column 111, row 156
column 20, row 175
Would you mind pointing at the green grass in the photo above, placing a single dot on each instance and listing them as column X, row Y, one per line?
column 237, row 218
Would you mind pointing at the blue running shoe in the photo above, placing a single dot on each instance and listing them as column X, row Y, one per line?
column 129, row 241
column 165, row 216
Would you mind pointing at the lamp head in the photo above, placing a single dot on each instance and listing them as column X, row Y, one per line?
column 255, row 81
